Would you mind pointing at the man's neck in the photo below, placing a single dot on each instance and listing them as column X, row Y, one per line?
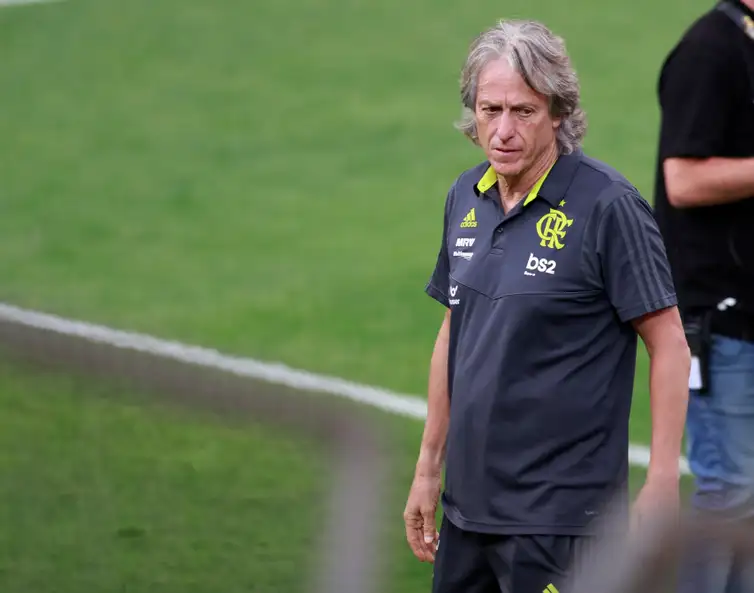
column 749, row 3
column 513, row 189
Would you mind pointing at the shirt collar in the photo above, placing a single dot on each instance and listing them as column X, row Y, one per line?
column 552, row 186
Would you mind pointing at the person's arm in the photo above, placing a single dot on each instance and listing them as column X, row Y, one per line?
column 699, row 91
column 432, row 450
column 669, row 367
column 424, row 495
column 704, row 182
column 637, row 279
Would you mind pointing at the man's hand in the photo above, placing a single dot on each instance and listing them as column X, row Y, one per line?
column 659, row 499
column 419, row 516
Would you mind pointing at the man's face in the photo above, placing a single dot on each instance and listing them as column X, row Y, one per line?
column 513, row 121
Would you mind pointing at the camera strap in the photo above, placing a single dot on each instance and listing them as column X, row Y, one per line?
column 699, row 337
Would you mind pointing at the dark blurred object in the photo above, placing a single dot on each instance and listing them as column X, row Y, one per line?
column 648, row 560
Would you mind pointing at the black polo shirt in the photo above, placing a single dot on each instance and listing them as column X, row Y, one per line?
column 542, row 351
column 706, row 95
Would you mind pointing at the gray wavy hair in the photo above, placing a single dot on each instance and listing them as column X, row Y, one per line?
column 540, row 58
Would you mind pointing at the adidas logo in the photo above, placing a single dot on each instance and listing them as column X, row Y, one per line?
column 469, row 221
column 550, row 589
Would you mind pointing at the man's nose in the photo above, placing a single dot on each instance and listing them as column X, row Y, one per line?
column 506, row 126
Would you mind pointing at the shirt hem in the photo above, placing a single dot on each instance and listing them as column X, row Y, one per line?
column 515, row 528
column 633, row 312
column 437, row 294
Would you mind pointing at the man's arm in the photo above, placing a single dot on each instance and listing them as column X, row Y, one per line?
column 432, row 451
column 699, row 91
column 670, row 361
column 424, row 496
column 704, row 182
column 421, row 507
column 638, row 282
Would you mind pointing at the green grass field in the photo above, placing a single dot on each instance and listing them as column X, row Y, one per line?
column 267, row 179
column 101, row 492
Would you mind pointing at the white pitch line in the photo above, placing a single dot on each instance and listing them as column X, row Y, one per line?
column 25, row 2
column 388, row 401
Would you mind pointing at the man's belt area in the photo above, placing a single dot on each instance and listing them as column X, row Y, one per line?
column 732, row 324
column 701, row 325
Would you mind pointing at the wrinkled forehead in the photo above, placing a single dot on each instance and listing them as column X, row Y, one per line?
column 499, row 82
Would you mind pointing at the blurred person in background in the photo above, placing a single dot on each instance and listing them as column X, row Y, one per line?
column 550, row 266
column 704, row 204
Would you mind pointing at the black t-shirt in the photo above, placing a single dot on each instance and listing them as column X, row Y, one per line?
column 706, row 92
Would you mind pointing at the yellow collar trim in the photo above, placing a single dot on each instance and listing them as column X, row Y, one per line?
column 537, row 186
column 487, row 181
column 490, row 178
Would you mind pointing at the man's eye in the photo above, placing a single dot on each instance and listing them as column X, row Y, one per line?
column 525, row 111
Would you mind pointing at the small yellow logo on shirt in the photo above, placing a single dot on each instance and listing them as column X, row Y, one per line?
column 469, row 221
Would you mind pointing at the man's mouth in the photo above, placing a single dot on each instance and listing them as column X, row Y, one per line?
column 506, row 151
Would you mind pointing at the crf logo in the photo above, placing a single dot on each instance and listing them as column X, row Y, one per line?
column 551, row 228
column 539, row 264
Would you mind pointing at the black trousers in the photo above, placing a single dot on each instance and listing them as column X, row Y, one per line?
column 468, row 562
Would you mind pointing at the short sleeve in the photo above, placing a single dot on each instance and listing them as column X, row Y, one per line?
column 439, row 282
column 632, row 259
column 695, row 94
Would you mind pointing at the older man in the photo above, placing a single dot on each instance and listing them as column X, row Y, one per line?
column 550, row 266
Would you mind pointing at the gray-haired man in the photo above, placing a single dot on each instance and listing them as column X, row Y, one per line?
column 550, row 265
